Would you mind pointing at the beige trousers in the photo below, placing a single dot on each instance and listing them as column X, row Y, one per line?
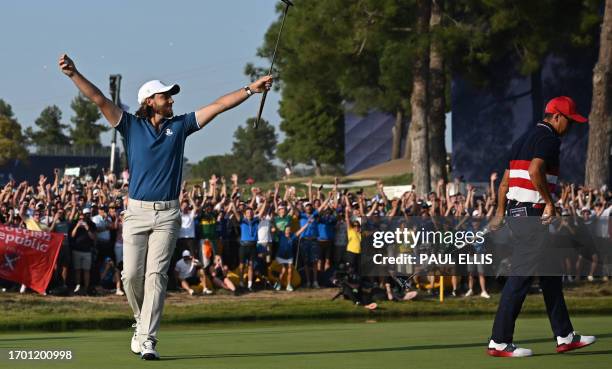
column 149, row 238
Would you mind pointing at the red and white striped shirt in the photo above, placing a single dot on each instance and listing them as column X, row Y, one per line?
column 541, row 142
column 521, row 188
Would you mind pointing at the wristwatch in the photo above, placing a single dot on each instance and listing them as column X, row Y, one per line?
column 248, row 90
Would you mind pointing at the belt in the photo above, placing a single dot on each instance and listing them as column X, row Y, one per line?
column 154, row 205
column 532, row 204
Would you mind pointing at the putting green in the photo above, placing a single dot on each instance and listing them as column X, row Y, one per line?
column 369, row 345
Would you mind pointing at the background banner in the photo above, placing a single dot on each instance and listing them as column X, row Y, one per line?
column 28, row 257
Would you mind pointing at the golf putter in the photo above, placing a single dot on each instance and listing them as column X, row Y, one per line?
column 288, row 3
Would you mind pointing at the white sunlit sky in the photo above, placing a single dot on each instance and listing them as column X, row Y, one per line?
column 201, row 45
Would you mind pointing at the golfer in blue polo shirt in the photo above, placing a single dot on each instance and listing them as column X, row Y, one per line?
column 155, row 142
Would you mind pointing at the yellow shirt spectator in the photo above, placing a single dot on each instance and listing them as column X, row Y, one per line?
column 354, row 240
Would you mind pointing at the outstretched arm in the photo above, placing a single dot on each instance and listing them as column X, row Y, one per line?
column 226, row 102
column 111, row 112
column 301, row 230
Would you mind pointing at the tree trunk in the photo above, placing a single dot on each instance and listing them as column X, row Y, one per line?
column 600, row 118
column 317, row 168
column 418, row 103
column 397, row 131
column 436, row 121
column 537, row 100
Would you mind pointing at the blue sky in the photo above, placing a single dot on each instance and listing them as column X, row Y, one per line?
column 201, row 45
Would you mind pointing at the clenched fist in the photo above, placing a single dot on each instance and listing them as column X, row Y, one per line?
column 262, row 84
column 67, row 65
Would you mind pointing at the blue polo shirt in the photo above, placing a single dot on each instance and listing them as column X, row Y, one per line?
column 312, row 230
column 248, row 229
column 156, row 158
column 327, row 224
column 285, row 247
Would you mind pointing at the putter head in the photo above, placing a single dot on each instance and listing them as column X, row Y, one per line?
column 289, row 3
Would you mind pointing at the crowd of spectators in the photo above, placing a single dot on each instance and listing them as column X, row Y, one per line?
column 228, row 228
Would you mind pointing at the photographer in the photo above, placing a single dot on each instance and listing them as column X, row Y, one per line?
column 109, row 277
column 189, row 271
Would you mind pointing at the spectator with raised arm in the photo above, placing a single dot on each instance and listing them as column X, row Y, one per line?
column 285, row 254
column 249, row 223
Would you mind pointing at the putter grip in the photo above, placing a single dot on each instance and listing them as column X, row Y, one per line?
column 261, row 106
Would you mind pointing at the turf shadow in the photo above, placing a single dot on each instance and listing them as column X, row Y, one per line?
column 41, row 338
column 371, row 350
column 578, row 353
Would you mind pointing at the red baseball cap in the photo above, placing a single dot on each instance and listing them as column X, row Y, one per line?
column 566, row 106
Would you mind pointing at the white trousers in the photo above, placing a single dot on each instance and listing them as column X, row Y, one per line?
column 149, row 238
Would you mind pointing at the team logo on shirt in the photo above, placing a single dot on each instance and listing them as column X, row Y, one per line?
column 169, row 132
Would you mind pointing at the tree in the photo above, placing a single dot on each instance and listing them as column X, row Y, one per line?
column 50, row 128
column 86, row 132
column 483, row 32
column 600, row 118
column 11, row 138
column 311, row 125
column 436, row 118
column 378, row 68
column 419, row 154
column 311, row 107
column 252, row 153
column 220, row 165
column 6, row 110
column 365, row 52
column 253, row 150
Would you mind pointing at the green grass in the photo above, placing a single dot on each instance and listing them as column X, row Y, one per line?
column 33, row 312
column 320, row 345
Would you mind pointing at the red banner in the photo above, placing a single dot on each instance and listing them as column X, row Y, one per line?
column 28, row 257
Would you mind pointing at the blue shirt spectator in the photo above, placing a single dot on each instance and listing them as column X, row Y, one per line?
column 312, row 230
column 285, row 246
column 326, row 227
column 248, row 229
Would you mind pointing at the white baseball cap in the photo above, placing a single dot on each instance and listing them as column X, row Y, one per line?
column 156, row 87
column 186, row 253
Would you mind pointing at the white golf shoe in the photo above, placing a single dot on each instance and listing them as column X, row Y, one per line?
column 134, row 344
column 148, row 350
column 573, row 341
column 507, row 350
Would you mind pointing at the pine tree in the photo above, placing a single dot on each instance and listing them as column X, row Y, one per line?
column 50, row 129
column 86, row 132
